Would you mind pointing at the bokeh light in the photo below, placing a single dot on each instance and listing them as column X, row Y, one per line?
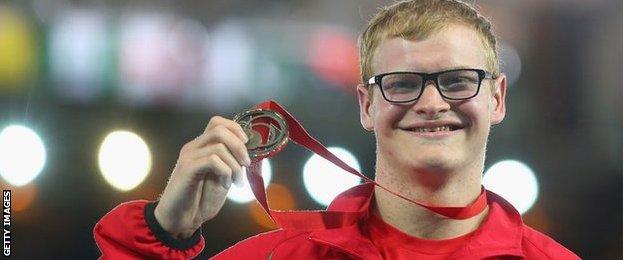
column 514, row 181
column 511, row 64
column 324, row 181
column 18, row 54
column 23, row 197
column 79, row 54
column 244, row 194
column 158, row 58
column 229, row 55
column 22, row 155
column 279, row 198
column 124, row 159
column 333, row 56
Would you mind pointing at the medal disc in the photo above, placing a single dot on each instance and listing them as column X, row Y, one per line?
column 266, row 130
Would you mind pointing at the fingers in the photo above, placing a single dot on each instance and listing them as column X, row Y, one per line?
column 227, row 132
column 226, row 156
column 233, row 144
column 222, row 138
column 204, row 173
column 229, row 124
column 220, row 171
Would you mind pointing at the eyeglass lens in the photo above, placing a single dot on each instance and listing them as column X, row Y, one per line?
column 453, row 84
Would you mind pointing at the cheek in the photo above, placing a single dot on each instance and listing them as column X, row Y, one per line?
column 387, row 116
column 477, row 113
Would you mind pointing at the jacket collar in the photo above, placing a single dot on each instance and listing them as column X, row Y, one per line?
column 499, row 234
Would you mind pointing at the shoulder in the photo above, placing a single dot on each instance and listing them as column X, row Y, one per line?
column 537, row 244
column 262, row 245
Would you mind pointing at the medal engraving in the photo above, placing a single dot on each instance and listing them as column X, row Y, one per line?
column 266, row 130
column 255, row 140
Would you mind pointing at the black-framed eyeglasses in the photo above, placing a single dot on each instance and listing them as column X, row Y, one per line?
column 455, row 84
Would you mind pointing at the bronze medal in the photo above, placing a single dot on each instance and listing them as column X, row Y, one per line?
column 257, row 122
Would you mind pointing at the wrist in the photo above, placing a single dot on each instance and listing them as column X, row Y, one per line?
column 173, row 239
column 169, row 227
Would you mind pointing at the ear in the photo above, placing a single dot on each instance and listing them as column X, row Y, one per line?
column 497, row 100
column 365, row 101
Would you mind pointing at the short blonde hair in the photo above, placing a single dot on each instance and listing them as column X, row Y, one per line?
column 417, row 20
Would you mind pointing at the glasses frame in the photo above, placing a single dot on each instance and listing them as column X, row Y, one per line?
column 429, row 77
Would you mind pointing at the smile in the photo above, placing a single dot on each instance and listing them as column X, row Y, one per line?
column 433, row 129
column 434, row 132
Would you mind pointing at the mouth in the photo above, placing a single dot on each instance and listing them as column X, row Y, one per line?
column 433, row 129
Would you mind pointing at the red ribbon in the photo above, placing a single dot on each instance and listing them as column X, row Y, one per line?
column 329, row 219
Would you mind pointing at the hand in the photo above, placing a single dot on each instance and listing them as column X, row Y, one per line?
column 200, row 181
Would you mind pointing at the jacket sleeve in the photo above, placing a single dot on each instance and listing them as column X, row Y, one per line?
column 130, row 231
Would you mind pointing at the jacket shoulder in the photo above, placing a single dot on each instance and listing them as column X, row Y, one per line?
column 537, row 245
column 261, row 246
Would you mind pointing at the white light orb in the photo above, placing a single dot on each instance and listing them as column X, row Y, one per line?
column 22, row 155
column 324, row 181
column 514, row 181
column 124, row 159
column 244, row 194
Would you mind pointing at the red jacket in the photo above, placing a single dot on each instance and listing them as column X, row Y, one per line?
column 131, row 231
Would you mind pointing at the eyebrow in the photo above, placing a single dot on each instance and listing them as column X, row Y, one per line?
column 438, row 70
column 453, row 68
column 458, row 67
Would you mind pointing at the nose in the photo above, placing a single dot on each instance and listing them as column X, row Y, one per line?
column 431, row 104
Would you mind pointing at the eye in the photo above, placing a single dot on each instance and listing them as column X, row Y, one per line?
column 459, row 80
column 400, row 85
column 401, row 82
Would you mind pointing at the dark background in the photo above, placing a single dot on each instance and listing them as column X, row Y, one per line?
column 564, row 111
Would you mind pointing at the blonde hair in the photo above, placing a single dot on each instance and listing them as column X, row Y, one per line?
column 417, row 20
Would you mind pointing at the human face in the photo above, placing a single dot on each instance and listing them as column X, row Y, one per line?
column 400, row 146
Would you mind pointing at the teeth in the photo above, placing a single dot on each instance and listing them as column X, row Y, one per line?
column 433, row 129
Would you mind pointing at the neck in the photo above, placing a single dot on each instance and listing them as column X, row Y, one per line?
column 436, row 188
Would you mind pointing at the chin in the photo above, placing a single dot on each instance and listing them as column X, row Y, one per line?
column 431, row 164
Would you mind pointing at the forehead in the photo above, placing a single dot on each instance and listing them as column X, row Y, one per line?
column 456, row 46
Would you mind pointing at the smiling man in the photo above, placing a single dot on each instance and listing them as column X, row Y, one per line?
column 430, row 104
column 431, row 90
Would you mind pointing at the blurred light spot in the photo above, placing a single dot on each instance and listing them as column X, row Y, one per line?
column 124, row 160
column 79, row 54
column 324, row 180
column 333, row 56
column 279, row 197
column 45, row 11
column 511, row 64
column 17, row 49
column 229, row 67
column 244, row 194
column 185, row 45
column 23, row 197
column 514, row 181
column 185, row 40
column 158, row 58
column 22, row 155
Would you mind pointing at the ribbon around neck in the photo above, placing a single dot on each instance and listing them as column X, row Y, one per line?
column 324, row 219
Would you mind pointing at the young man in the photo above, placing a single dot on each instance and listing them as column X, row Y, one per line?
column 431, row 90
